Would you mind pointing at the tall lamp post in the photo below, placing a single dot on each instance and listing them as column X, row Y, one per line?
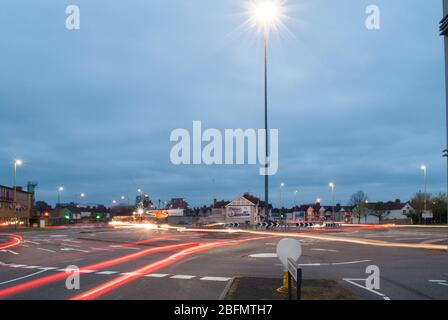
column 332, row 186
column 60, row 189
column 425, row 170
column 266, row 15
column 295, row 198
column 281, row 203
column 17, row 163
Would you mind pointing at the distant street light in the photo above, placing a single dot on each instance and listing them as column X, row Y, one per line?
column 281, row 207
column 424, row 169
column 332, row 186
column 17, row 163
column 295, row 196
column 60, row 189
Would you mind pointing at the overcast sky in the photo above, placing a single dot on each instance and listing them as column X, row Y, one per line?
column 92, row 110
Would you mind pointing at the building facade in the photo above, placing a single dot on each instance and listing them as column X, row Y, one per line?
column 23, row 209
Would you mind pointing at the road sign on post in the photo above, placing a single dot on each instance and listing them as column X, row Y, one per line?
column 287, row 249
column 295, row 273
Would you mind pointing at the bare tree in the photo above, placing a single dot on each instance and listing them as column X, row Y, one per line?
column 359, row 201
column 378, row 210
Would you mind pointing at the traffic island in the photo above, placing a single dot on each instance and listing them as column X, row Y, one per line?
column 251, row 288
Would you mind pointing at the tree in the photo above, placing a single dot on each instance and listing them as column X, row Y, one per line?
column 359, row 201
column 378, row 210
column 418, row 203
column 439, row 208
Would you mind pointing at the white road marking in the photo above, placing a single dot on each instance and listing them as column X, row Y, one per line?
column 72, row 245
column 183, row 277
column 48, row 268
column 437, row 280
column 33, row 267
column 157, row 275
column 332, row 263
column 10, row 251
column 48, row 250
column 350, row 262
column 28, row 241
column 17, row 265
column 58, row 235
column 73, row 249
column 130, row 274
column 107, row 272
column 100, row 249
column 329, row 250
column 70, row 240
column 24, row 277
column 352, row 281
column 128, row 248
column 215, row 279
column 263, row 255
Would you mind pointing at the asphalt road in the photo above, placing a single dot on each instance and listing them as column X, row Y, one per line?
column 167, row 264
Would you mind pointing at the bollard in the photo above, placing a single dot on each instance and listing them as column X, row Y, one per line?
column 285, row 287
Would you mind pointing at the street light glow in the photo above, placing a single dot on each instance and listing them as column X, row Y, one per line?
column 266, row 15
column 266, row 12
column 82, row 195
column 331, row 185
column 423, row 167
column 18, row 162
column 61, row 189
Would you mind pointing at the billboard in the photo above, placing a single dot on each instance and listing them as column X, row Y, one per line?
column 238, row 212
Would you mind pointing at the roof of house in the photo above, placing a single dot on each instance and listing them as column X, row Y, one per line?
column 251, row 198
column 220, row 204
column 387, row 206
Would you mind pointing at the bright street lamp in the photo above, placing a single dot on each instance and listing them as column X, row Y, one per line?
column 295, row 196
column 17, row 163
column 424, row 169
column 332, row 186
column 266, row 14
column 60, row 189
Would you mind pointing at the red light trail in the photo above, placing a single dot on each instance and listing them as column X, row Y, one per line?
column 15, row 240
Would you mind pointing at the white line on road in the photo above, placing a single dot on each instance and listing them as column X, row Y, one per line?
column 28, row 241
column 263, row 255
column 24, row 277
column 332, row 263
column 352, row 281
column 48, row 250
column 350, row 262
column 128, row 248
column 73, row 249
column 329, row 250
column 157, row 275
column 215, row 279
column 107, row 272
column 10, row 251
column 182, row 277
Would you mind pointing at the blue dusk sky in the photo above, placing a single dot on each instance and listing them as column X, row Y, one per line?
column 92, row 109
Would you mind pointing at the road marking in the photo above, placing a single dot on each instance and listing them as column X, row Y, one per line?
column 215, row 279
column 183, row 277
column 24, row 277
column 437, row 280
column 70, row 240
column 48, row 268
column 263, row 255
column 17, row 265
column 107, row 272
column 9, row 251
column 28, row 241
column 352, row 281
column 48, row 250
column 73, row 249
column 100, row 249
column 58, row 236
column 33, row 267
column 157, row 275
column 329, row 250
column 350, row 262
column 128, row 248
column 130, row 274
column 404, row 239
column 72, row 245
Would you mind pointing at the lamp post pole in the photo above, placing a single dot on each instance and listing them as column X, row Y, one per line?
column 266, row 177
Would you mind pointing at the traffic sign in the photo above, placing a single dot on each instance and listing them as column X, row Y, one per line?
column 288, row 249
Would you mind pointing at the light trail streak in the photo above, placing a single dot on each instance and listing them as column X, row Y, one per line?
column 319, row 236
column 133, row 275
column 14, row 241
column 56, row 277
